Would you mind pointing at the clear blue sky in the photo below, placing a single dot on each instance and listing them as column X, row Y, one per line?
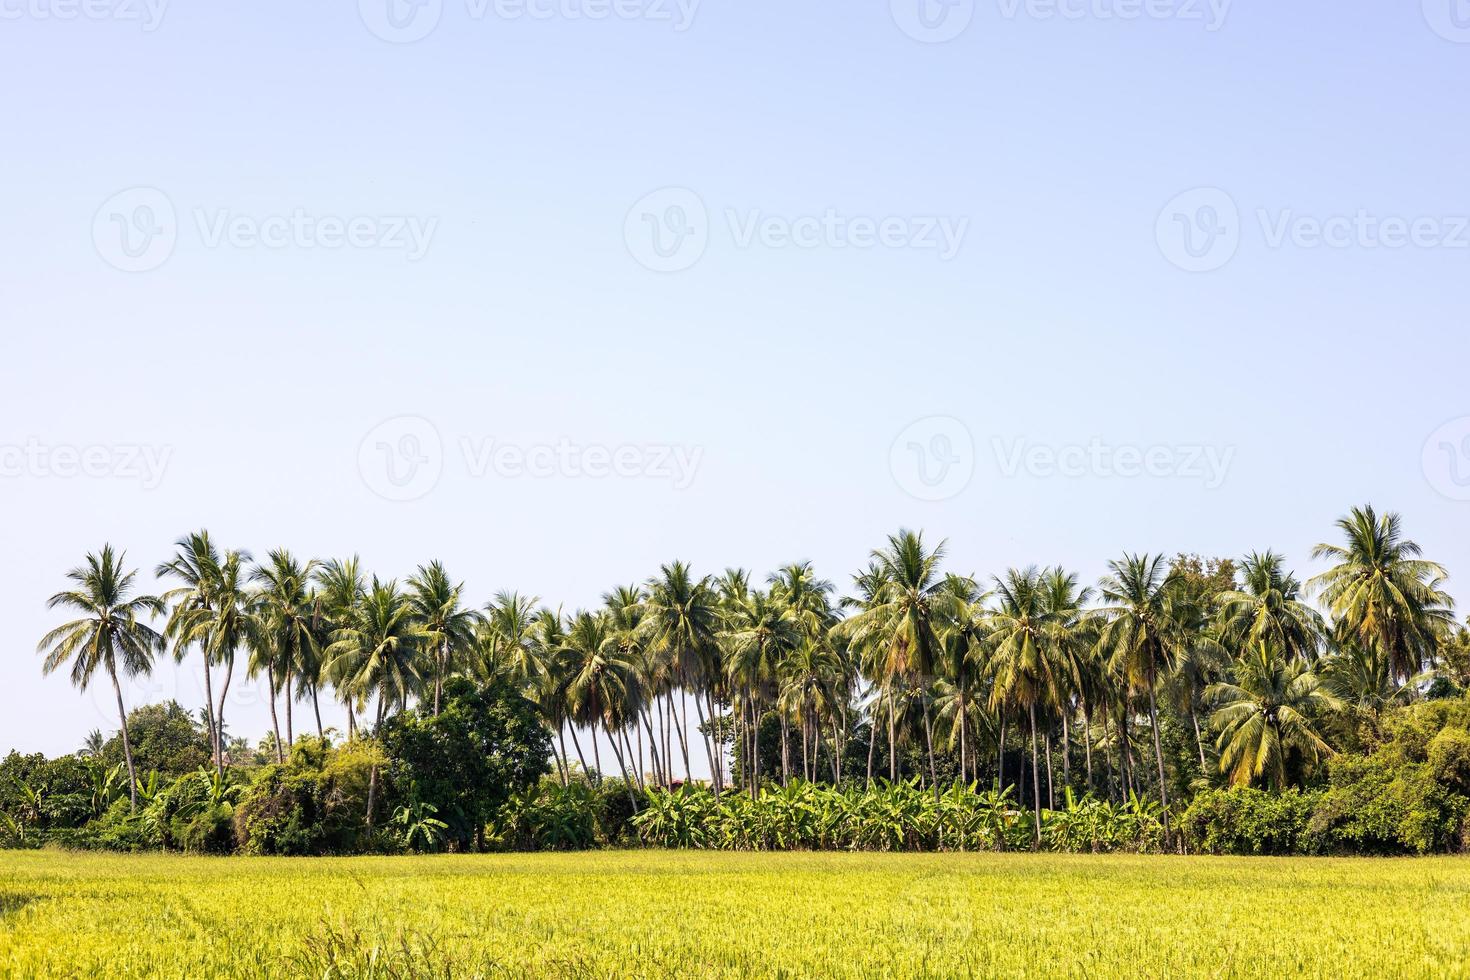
column 523, row 150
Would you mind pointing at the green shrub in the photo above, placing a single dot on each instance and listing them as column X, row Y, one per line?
column 1251, row 821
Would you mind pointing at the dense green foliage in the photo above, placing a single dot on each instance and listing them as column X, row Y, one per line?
column 1184, row 704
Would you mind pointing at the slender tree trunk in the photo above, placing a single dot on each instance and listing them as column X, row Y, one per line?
column 561, row 772
column 219, row 716
column 755, row 752
column 577, row 744
column 682, row 729
column 1035, row 778
column 1204, row 767
column 892, row 738
column 270, row 675
column 122, row 716
column 929, row 745
column 1087, row 744
column 373, row 772
column 836, row 752
column 964, row 773
column 566, row 772
column 627, row 783
column 806, row 766
column 1153, row 716
column 290, row 696
column 596, row 754
column 717, row 736
column 1000, row 753
column 316, row 707
column 709, row 750
column 872, row 746
column 1066, row 747
column 785, row 750
column 209, row 712
column 1051, row 793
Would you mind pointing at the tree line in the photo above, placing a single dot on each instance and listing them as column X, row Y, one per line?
column 912, row 672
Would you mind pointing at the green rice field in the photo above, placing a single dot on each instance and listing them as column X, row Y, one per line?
column 659, row 914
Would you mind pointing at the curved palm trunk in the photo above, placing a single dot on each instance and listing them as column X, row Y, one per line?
column 892, row 740
column 219, row 716
column 1000, row 754
column 270, row 676
column 1066, row 747
column 785, row 750
column 627, row 783
column 316, row 707
column 872, row 747
column 1087, row 742
column 122, row 715
column 714, row 772
column 929, row 745
column 577, row 744
column 209, row 712
column 682, row 728
column 286, row 687
column 1153, row 717
column 1199, row 740
column 1035, row 778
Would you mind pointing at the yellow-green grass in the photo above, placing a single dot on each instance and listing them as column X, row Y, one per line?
column 657, row 914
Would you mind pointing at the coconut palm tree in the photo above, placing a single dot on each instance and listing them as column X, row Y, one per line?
column 681, row 620
column 759, row 634
column 378, row 652
column 594, row 678
column 1268, row 609
column 897, row 631
column 1027, row 672
column 285, row 633
column 448, row 627
column 196, row 565
column 1268, row 716
column 1141, row 637
column 222, row 629
column 339, row 591
column 108, row 634
column 1382, row 592
column 1069, row 639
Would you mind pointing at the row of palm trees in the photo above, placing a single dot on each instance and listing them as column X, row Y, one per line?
column 915, row 656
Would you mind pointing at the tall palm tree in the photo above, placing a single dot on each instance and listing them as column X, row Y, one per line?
column 1268, row 609
column 681, row 619
column 285, row 631
column 108, row 633
column 1069, row 640
column 339, row 590
column 1267, row 714
column 196, row 565
column 1027, row 672
column 1141, row 636
column 898, row 629
column 760, row 633
column 594, row 678
column 378, row 652
column 1381, row 591
column 448, row 627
